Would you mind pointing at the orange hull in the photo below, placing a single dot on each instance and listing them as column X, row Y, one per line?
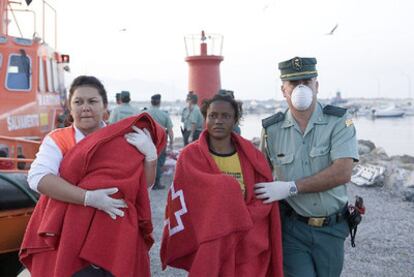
column 12, row 226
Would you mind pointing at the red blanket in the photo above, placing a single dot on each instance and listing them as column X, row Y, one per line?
column 63, row 238
column 210, row 229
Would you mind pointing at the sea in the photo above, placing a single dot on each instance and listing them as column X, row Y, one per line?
column 394, row 135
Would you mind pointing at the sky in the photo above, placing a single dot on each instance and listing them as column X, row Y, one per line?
column 138, row 45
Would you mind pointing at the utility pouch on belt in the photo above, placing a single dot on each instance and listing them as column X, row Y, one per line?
column 355, row 216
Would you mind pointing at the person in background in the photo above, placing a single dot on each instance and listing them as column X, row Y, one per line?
column 123, row 110
column 118, row 98
column 311, row 148
column 162, row 118
column 185, row 118
column 87, row 104
column 118, row 102
column 192, row 119
column 223, row 229
column 4, row 154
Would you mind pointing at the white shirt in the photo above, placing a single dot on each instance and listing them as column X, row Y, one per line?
column 48, row 159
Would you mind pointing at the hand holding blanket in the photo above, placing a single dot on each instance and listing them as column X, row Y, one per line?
column 101, row 200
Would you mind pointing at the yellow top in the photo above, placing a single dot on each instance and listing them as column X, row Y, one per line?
column 230, row 165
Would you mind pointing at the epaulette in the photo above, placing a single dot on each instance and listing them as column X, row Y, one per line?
column 334, row 110
column 268, row 121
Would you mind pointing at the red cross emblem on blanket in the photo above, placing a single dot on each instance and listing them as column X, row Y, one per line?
column 175, row 209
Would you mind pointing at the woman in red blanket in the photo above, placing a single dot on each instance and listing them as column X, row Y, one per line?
column 41, row 249
column 214, row 225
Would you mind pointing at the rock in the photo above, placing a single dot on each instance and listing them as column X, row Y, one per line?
column 380, row 152
column 406, row 159
column 363, row 149
column 376, row 156
column 408, row 195
column 366, row 144
column 409, row 180
column 395, row 177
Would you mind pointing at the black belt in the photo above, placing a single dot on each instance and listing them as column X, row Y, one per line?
column 330, row 220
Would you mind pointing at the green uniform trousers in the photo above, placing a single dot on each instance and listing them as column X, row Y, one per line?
column 312, row 251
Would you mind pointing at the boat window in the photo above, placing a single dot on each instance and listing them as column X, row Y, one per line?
column 19, row 73
column 4, row 151
column 49, row 75
column 55, row 75
column 3, row 39
column 42, row 84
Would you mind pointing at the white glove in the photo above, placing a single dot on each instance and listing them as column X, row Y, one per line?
column 274, row 191
column 143, row 142
column 100, row 200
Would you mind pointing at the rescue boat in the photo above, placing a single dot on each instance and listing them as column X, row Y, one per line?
column 32, row 101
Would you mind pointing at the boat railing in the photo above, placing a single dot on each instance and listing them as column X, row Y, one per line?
column 18, row 155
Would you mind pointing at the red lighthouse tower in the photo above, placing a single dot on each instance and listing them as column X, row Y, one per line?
column 203, row 58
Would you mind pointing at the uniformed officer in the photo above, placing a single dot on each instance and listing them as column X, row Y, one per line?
column 192, row 119
column 311, row 148
column 118, row 98
column 123, row 110
column 162, row 118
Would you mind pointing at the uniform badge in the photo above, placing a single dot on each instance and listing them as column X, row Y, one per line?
column 348, row 122
column 297, row 64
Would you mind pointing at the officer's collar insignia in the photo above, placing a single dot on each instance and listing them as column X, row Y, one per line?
column 348, row 122
column 297, row 64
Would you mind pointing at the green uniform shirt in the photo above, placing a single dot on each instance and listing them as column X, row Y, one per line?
column 295, row 155
column 122, row 111
column 188, row 117
column 161, row 117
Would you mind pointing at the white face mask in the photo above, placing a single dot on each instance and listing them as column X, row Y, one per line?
column 301, row 97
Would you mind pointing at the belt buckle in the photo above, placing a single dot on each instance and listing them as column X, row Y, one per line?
column 316, row 221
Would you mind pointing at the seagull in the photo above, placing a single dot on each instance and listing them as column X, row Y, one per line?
column 332, row 31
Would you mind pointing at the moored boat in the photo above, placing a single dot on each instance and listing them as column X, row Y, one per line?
column 390, row 111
